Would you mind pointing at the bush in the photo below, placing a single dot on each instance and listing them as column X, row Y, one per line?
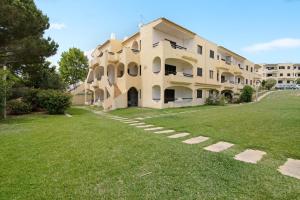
column 31, row 97
column 18, row 107
column 55, row 102
column 297, row 81
column 270, row 83
column 247, row 93
column 218, row 100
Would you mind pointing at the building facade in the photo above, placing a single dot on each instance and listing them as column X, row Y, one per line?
column 164, row 65
column 283, row 73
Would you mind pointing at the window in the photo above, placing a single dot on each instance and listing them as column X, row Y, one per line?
column 288, row 74
column 199, row 71
column 247, row 67
column 269, row 75
column 250, row 82
column 279, row 81
column 281, row 67
column 211, row 74
column 287, row 81
column 289, row 67
column 281, row 74
column 247, row 81
column 251, row 69
column 218, row 57
column 199, row 94
column 140, row 70
column 199, row 49
column 212, row 54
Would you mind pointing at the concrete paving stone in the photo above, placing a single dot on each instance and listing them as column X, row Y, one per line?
column 290, row 168
column 164, row 131
column 136, row 124
column 250, row 156
column 130, row 122
column 218, row 147
column 145, row 126
column 153, row 129
column 195, row 140
column 178, row 135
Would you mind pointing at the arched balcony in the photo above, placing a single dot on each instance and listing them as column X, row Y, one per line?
column 227, row 78
column 133, row 69
column 178, row 95
column 90, row 77
column 99, row 72
column 99, row 95
column 156, row 93
column 135, row 47
column 120, row 70
column 156, row 65
column 111, row 74
column 178, row 67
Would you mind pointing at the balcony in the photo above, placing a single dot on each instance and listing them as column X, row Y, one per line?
column 180, row 78
column 228, row 83
column 128, row 55
column 112, row 57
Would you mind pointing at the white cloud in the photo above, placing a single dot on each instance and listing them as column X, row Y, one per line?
column 89, row 53
column 283, row 43
column 57, row 26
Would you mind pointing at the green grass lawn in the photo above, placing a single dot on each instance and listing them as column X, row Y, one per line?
column 92, row 157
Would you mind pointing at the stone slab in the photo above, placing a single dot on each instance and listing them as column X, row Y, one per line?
column 136, row 124
column 144, row 126
column 130, row 122
column 178, row 135
column 290, row 168
column 250, row 156
column 195, row 140
column 164, row 131
column 218, row 147
column 153, row 129
column 139, row 118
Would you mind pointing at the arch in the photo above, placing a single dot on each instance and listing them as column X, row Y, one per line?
column 227, row 77
column 133, row 69
column 178, row 94
column 120, row 70
column 111, row 73
column 228, row 94
column 135, row 46
column 99, row 72
column 90, row 77
column 99, row 95
column 156, row 65
column 156, row 93
column 132, row 97
column 178, row 66
column 100, row 53
column 239, row 79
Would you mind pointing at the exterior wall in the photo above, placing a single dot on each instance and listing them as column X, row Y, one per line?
column 283, row 73
column 150, row 49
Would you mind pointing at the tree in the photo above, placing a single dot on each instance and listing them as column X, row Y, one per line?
column 297, row 81
column 42, row 76
column 246, row 95
column 22, row 27
column 73, row 66
column 263, row 83
column 270, row 83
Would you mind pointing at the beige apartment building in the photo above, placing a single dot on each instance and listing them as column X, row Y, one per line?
column 283, row 73
column 164, row 65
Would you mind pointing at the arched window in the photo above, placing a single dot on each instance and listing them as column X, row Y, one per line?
column 156, row 65
column 156, row 93
column 133, row 69
column 135, row 47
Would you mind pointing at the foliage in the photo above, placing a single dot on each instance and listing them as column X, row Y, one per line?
column 263, row 83
column 246, row 95
column 21, row 34
column 216, row 100
column 73, row 66
column 297, row 81
column 31, row 97
column 18, row 107
column 270, row 83
column 5, row 86
column 42, row 76
column 54, row 101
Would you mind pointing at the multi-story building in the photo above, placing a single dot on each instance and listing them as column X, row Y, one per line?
column 283, row 73
column 165, row 65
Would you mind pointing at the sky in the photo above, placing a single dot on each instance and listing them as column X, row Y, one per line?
column 264, row 31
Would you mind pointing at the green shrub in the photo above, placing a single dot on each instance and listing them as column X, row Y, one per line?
column 218, row 100
column 247, row 93
column 54, row 101
column 270, row 83
column 18, row 107
column 31, row 97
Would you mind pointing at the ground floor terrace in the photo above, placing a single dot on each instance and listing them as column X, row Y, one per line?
column 91, row 155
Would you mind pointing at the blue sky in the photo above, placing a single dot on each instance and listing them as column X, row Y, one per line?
column 264, row 31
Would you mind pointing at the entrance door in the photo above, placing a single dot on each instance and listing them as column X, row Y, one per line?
column 132, row 97
column 169, row 95
column 170, row 69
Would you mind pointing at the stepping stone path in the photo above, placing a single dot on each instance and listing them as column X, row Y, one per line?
column 139, row 118
column 291, row 168
column 218, row 147
column 250, row 156
column 145, row 126
column 136, row 124
column 130, row 122
column 165, row 131
column 178, row 135
column 195, row 140
column 153, row 129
